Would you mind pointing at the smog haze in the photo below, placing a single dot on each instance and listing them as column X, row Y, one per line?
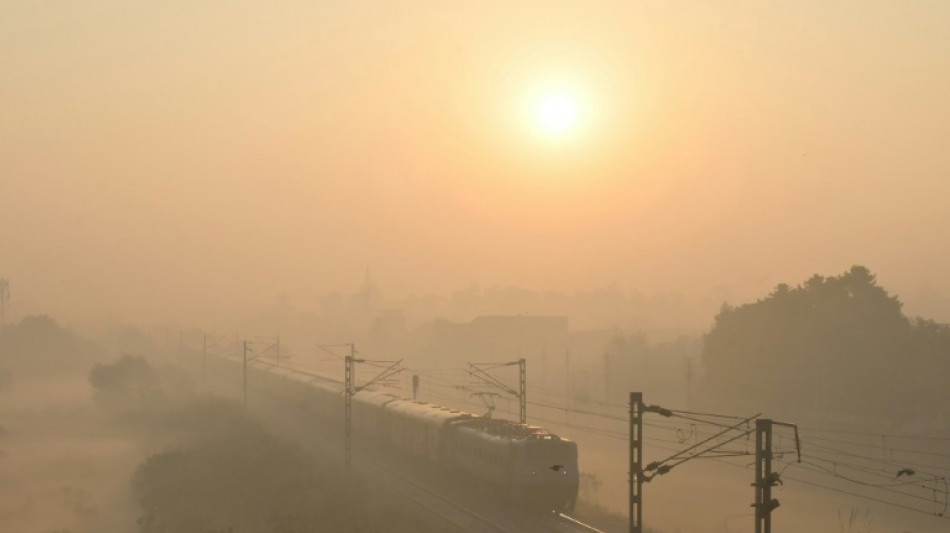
column 171, row 161
column 332, row 261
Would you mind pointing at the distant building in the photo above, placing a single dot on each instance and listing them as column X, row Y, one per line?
column 493, row 338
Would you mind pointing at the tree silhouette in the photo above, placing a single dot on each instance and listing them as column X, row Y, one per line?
column 836, row 344
column 39, row 345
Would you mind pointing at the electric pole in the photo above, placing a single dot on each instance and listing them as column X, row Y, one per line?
column 689, row 380
column 544, row 366
column 415, row 387
column 260, row 352
column 567, row 382
column 764, row 504
column 523, row 390
column 245, row 374
column 765, row 478
column 639, row 473
column 349, row 377
column 350, row 389
column 480, row 371
column 636, row 462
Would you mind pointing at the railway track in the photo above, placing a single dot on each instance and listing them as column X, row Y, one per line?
column 577, row 525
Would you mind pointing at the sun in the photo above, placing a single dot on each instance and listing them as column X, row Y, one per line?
column 556, row 113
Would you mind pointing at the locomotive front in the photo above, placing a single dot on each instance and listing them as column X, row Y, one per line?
column 545, row 473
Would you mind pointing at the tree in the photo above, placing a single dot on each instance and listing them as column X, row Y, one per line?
column 39, row 345
column 230, row 474
column 129, row 379
column 838, row 343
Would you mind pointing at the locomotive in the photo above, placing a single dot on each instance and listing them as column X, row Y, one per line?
column 526, row 464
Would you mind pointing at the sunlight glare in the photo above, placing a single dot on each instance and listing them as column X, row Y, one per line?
column 557, row 113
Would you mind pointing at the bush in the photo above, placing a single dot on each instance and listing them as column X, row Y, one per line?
column 128, row 382
column 38, row 345
column 236, row 477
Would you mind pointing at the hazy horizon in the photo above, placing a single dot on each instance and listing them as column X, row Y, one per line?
column 187, row 161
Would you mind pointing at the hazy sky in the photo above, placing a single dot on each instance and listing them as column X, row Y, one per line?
column 204, row 157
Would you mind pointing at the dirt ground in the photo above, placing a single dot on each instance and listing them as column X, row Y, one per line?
column 62, row 468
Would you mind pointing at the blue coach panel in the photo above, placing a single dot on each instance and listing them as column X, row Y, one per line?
column 267, row 374
column 322, row 395
column 482, row 454
column 368, row 408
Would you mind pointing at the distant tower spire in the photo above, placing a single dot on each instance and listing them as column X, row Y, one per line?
column 368, row 286
column 368, row 294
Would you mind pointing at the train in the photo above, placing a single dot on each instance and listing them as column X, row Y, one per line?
column 527, row 465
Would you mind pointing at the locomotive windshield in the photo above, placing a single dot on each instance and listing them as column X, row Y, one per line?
column 558, row 455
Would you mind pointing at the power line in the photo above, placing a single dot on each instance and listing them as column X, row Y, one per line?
column 874, row 434
column 725, row 426
column 603, row 415
column 885, row 502
column 818, row 469
column 879, row 446
column 868, row 471
column 589, row 429
column 714, row 415
column 443, row 379
column 876, row 460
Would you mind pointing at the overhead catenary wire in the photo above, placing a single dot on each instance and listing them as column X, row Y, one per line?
column 869, row 471
column 583, row 412
column 589, row 429
column 869, row 433
column 714, row 415
column 879, row 446
column 878, row 500
column 672, row 428
column 880, row 482
column 875, row 460
column 708, row 439
column 606, row 416
column 744, row 420
column 895, row 467
column 544, row 391
column 818, row 469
